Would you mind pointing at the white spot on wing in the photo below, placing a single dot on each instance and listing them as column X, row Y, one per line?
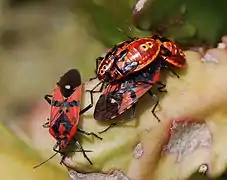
column 67, row 86
column 113, row 101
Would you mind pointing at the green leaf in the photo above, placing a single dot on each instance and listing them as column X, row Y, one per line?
column 203, row 20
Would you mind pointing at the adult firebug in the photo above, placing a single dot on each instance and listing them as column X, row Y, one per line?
column 136, row 59
column 116, row 99
column 65, row 111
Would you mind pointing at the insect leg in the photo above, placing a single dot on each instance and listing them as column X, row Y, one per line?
column 45, row 160
column 83, row 151
column 89, row 133
column 172, row 71
column 88, row 106
column 110, row 126
column 128, row 36
column 47, row 98
column 133, row 111
column 156, row 104
column 62, row 159
column 59, row 151
column 55, row 148
column 86, row 109
column 91, row 96
column 162, row 85
column 98, row 91
column 47, row 124
column 90, row 79
column 98, row 60
column 133, row 114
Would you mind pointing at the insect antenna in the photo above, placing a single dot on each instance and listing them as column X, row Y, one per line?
column 45, row 160
column 128, row 36
column 55, row 155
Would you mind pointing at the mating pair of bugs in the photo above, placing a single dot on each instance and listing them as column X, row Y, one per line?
column 130, row 69
column 126, row 72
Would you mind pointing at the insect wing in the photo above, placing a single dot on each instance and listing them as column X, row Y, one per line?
column 105, row 109
column 74, row 105
column 131, row 93
column 56, row 102
column 55, row 113
column 72, row 113
column 116, row 99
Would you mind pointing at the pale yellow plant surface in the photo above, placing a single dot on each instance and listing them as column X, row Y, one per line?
column 17, row 161
column 200, row 93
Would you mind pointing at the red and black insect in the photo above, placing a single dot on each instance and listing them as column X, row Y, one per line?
column 65, row 111
column 126, row 58
column 129, row 71
column 132, row 56
column 116, row 99
column 171, row 52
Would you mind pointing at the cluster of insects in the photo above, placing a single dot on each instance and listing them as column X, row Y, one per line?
column 127, row 71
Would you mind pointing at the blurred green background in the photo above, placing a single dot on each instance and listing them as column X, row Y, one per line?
column 41, row 39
